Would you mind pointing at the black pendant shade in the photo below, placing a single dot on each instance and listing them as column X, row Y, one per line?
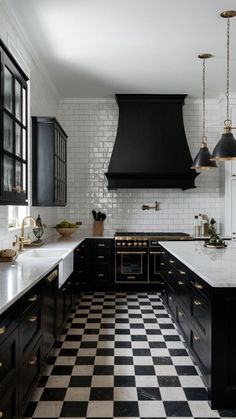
column 203, row 161
column 225, row 149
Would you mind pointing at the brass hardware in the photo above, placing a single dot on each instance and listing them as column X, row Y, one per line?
column 197, row 302
column 170, row 298
column 0, row 364
column 197, row 338
column 101, row 257
column 170, row 272
column 1, row 414
column 180, row 282
column 156, row 253
column 69, row 283
column 162, row 263
column 63, row 289
column 52, row 276
column 182, row 272
column 171, row 261
column 205, row 56
column 32, row 319
column 2, row 330
column 77, row 250
column 198, row 286
column 180, row 313
column 228, row 13
column 33, row 298
column 131, row 277
column 22, row 238
column 32, row 361
column 101, row 244
column 100, row 274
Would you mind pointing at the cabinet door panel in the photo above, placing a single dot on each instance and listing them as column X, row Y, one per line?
column 8, row 403
column 8, row 89
column 8, row 357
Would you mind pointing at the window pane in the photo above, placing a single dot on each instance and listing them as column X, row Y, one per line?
column 24, row 177
column 8, row 90
column 18, row 99
column 18, row 175
column 24, row 106
column 18, row 140
column 8, row 174
column 23, row 144
column 8, row 133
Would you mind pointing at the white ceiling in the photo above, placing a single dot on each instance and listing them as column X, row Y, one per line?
column 95, row 48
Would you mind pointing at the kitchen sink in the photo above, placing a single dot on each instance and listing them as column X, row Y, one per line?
column 43, row 253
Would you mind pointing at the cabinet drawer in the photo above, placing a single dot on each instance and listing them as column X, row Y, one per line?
column 8, row 358
column 29, row 372
column 8, row 403
column 200, row 286
column 8, row 322
column 101, row 243
column 102, row 276
column 101, row 255
column 200, row 314
column 30, row 328
column 183, row 322
column 200, row 350
column 32, row 298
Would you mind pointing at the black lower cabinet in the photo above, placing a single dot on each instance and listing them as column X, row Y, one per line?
column 9, row 402
column 50, row 285
column 205, row 317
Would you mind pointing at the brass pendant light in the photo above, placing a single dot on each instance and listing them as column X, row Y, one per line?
column 202, row 160
column 225, row 149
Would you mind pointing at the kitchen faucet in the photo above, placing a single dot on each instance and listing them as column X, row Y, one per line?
column 21, row 240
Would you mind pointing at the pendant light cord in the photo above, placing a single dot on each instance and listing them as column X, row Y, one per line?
column 227, row 80
column 203, row 102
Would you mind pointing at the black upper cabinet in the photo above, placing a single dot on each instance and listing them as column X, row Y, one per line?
column 49, row 162
column 13, row 128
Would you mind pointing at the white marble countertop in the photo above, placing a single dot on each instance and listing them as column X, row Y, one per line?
column 215, row 266
column 17, row 277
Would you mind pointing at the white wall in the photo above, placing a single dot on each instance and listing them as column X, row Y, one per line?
column 43, row 99
column 91, row 126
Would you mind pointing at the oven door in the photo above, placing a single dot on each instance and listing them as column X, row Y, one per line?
column 157, row 266
column 132, row 265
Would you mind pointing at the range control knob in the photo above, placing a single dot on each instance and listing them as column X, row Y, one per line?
column 123, row 244
column 140, row 243
column 118, row 243
column 135, row 243
column 144, row 243
column 129, row 244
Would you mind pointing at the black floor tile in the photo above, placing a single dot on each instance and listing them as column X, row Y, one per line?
column 62, row 370
column 74, row 409
column 126, row 409
column 148, row 393
column 80, row 381
column 162, row 360
column 196, row 393
column 168, row 381
column 53, row 394
column 124, row 381
column 177, row 409
column 186, row 370
column 85, row 360
column 144, row 370
column 103, row 370
column 124, row 360
column 101, row 393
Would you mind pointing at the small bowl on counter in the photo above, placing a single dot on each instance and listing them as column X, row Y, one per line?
column 66, row 231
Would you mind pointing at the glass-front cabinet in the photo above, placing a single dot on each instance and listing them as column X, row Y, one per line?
column 49, row 162
column 13, row 141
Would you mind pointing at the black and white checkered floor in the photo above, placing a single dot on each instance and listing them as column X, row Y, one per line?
column 121, row 357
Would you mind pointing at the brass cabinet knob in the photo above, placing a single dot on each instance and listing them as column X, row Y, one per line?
column 170, row 298
column 171, row 261
column 33, row 298
column 77, row 250
column 52, row 276
column 180, row 313
column 32, row 319
column 0, row 364
column 198, row 286
column 170, row 272
column 180, row 282
column 197, row 302
column 100, row 274
column 2, row 330
column 197, row 338
column 182, row 272
column 1, row 414
column 32, row 361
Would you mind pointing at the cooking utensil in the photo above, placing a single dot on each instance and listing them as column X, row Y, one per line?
column 99, row 215
column 103, row 217
column 94, row 215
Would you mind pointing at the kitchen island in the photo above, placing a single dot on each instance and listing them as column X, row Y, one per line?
column 200, row 293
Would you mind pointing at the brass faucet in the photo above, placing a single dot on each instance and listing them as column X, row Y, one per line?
column 22, row 239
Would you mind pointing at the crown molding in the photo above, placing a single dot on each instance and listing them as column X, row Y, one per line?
column 21, row 34
column 88, row 100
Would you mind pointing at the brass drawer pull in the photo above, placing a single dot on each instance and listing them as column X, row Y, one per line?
column 180, row 313
column 162, row 264
column 157, row 253
column 182, row 272
column 197, row 338
column 101, row 245
column 170, row 298
column 77, row 250
column 32, row 319
column 198, row 286
column 33, row 298
column 0, row 364
column 69, row 283
column 197, row 302
column 131, row 277
column 180, row 282
column 100, row 274
column 171, row 261
column 131, row 253
column 32, row 361
column 101, row 257
column 170, row 272
column 52, row 276
column 2, row 330
column 1, row 414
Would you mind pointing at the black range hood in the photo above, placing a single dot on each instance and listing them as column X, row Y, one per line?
column 151, row 149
